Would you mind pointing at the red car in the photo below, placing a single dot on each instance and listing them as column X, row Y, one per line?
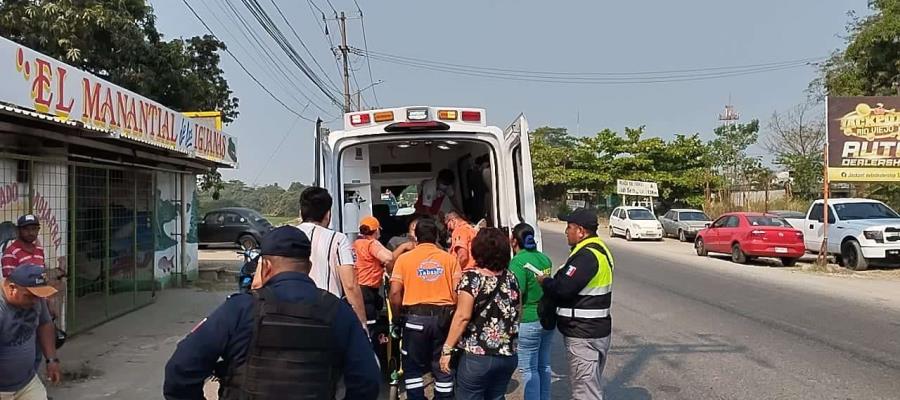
column 745, row 235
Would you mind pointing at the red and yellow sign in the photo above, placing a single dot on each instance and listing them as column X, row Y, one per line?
column 52, row 87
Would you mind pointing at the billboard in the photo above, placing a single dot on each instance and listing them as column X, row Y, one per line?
column 863, row 139
column 636, row 188
column 34, row 81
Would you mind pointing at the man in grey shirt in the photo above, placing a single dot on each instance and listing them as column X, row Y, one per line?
column 24, row 324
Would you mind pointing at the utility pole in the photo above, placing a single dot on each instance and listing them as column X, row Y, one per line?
column 344, row 50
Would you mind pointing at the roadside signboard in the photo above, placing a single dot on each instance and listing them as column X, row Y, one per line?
column 34, row 81
column 636, row 188
column 863, row 139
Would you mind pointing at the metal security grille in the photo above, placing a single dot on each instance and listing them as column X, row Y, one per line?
column 39, row 187
column 113, row 241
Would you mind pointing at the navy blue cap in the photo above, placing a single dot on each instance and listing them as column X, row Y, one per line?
column 27, row 220
column 32, row 277
column 582, row 217
column 286, row 241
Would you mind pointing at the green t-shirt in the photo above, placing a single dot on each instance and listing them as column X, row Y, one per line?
column 529, row 288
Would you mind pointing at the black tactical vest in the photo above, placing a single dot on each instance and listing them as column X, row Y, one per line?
column 292, row 353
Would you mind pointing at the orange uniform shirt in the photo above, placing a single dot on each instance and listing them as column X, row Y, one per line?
column 369, row 269
column 428, row 275
column 462, row 238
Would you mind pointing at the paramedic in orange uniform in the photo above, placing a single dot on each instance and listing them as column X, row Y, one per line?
column 372, row 259
column 423, row 291
column 461, row 235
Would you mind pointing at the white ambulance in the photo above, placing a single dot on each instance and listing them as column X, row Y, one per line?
column 387, row 154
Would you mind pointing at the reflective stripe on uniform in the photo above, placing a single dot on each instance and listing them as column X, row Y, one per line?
column 414, row 383
column 597, row 291
column 582, row 313
column 443, row 387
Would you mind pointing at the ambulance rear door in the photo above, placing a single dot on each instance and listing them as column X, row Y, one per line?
column 520, row 177
column 325, row 172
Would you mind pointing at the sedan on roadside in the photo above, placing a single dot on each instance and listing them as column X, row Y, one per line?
column 684, row 223
column 634, row 223
column 233, row 226
column 746, row 235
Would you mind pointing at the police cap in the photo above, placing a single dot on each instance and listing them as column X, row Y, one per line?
column 286, row 241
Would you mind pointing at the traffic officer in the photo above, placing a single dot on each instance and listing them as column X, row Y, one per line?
column 582, row 292
column 286, row 340
column 423, row 291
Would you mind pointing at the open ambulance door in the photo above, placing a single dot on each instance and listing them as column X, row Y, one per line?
column 325, row 170
column 523, row 207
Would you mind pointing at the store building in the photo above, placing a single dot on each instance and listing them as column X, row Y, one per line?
column 111, row 175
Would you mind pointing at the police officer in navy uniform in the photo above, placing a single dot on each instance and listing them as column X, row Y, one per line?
column 287, row 340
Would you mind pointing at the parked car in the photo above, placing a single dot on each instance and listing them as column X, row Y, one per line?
column 233, row 226
column 861, row 232
column 634, row 223
column 787, row 214
column 684, row 223
column 747, row 235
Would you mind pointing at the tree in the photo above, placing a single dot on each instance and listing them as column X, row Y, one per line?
column 796, row 139
column 551, row 150
column 118, row 41
column 729, row 151
column 868, row 66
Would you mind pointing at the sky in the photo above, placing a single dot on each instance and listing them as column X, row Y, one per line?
column 572, row 36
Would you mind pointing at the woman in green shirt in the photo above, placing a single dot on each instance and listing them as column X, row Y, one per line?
column 534, row 340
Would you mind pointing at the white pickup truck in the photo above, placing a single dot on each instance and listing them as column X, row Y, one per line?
column 861, row 232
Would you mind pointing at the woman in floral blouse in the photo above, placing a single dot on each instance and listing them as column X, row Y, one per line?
column 485, row 327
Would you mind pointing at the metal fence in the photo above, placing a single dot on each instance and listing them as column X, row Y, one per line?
column 96, row 223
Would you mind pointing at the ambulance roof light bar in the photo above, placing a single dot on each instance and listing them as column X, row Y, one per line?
column 361, row 119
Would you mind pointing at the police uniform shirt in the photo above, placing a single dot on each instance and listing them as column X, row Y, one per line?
column 563, row 289
column 227, row 332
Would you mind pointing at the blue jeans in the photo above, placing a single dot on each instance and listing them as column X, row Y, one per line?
column 484, row 377
column 534, row 360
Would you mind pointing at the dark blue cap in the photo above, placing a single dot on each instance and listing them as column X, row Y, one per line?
column 286, row 241
column 32, row 277
column 582, row 217
column 27, row 220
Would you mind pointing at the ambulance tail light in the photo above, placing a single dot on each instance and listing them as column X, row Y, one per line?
column 471, row 116
column 413, row 126
column 384, row 116
column 448, row 115
column 360, row 119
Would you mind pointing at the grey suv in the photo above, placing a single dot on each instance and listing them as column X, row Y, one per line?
column 229, row 226
column 684, row 223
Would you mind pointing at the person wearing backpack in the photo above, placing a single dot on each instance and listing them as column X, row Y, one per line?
column 485, row 326
column 286, row 340
column 534, row 339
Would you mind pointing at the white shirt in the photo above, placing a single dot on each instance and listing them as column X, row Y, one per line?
column 330, row 250
column 432, row 192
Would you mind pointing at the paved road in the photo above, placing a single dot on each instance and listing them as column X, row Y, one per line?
column 687, row 327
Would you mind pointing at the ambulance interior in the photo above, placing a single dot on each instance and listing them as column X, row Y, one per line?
column 384, row 179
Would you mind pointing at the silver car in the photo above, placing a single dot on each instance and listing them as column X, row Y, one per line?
column 684, row 223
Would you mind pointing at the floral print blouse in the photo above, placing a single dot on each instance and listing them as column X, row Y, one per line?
column 495, row 329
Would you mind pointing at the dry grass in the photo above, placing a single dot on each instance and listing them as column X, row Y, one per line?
column 716, row 209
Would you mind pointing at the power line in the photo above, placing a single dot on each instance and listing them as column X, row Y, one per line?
column 294, row 31
column 276, row 34
column 584, row 73
column 259, row 54
column 274, row 152
column 270, row 54
column 239, row 63
column 366, row 47
column 332, row 7
column 588, row 80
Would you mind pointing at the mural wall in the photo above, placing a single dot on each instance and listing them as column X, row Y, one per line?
column 192, row 212
column 48, row 183
column 167, row 227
